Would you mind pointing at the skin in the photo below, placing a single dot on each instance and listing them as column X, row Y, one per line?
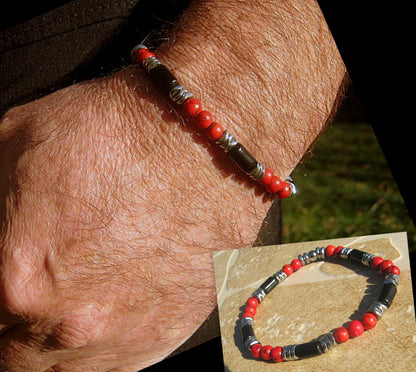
column 111, row 203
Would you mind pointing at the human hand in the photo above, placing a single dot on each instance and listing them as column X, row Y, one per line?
column 110, row 209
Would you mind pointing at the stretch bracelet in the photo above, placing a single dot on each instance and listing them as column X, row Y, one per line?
column 327, row 341
column 214, row 131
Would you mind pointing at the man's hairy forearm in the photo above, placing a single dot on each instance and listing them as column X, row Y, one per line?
column 269, row 70
column 126, row 201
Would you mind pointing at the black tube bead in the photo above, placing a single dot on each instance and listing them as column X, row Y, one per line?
column 242, row 158
column 388, row 292
column 247, row 331
column 269, row 284
column 163, row 77
column 309, row 349
column 356, row 255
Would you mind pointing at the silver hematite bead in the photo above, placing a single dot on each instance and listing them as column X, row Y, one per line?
column 179, row 94
column 327, row 341
column 344, row 253
column 377, row 308
column 258, row 172
column 292, row 185
column 150, row 63
column 288, row 352
column 259, row 294
column 313, row 256
column 392, row 278
column 304, row 258
column 367, row 257
column 320, row 251
column 227, row 141
column 280, row 276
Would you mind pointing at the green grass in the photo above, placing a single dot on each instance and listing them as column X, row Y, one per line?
column 345, row 189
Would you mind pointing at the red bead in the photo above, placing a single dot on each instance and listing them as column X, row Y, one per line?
column 341, row 335
column 296, row 264
column 276, row 354
column 338, row 251
column 285, row 191
column 369, row 321
column 384, row 266
column 287, row 269
column 250, row 310
column 143, row 54
column 375, row 262
column 192, row 107
column 205, row 119
column 215, row 131
column 255, row 350
column 393, row 270
column 265, row 352
column 267, row 178
column 355, row 328
column 253, row 302
column 245, row 315
column 275, row 185
column 329, row 250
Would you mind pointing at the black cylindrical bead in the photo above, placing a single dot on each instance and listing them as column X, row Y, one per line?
column 163, row 77
column 309, row 349
column 269, row 284
column 247, row 331
column 387, row 294
column 243, row 158
column 356, row 255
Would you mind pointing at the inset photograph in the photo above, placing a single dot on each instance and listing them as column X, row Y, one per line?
column 339, row 304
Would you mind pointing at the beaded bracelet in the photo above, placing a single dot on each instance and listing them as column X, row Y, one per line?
column 214, row 131
column 327, row 341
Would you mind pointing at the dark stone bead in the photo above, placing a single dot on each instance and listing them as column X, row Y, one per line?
column 387, row 294
column 163, row 77
column 269, row 284
column 242, row 158
column 309, row 349
column 247, row 331
column 356, row 255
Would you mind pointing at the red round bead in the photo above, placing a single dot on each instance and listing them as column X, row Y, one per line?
column 355, row 328
column 287, row 269
column 296, row 264
column 341, row 335
column 265, row 352
column 255, row 350
column 192, row 107
column 369, row 321
column 383, row 267
column 329, row 250
column 285, row 191
column 250, row 310
column 375, row 262
column 215, row 131
column 393, row 270
column 267, row 178
column 338, row 250
column 143, row 54
column 253, row 302
column 245, row 315
column 275, row 185
column 205, row 119
column 276, row 354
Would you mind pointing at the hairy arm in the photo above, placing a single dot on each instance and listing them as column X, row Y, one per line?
column 113, row 203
